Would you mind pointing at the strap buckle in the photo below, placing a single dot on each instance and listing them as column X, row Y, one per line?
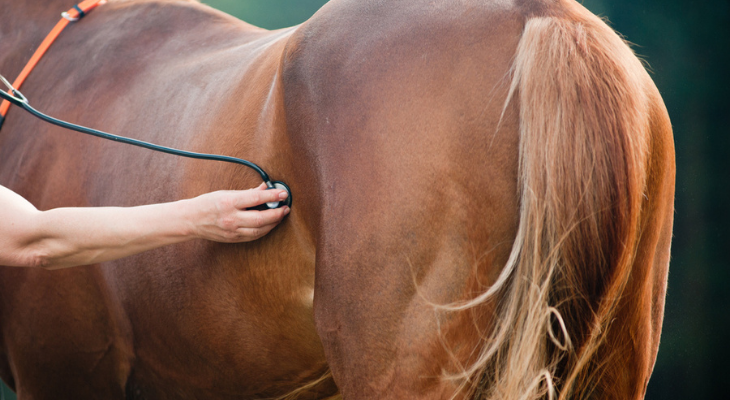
column 68, row 16
column 16, row 97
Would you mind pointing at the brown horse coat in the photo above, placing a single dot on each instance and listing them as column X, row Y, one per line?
column 388, row 121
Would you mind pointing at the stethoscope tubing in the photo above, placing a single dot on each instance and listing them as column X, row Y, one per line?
column 18, row 99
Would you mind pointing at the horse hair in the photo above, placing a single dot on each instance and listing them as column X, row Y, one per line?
column 584, row 131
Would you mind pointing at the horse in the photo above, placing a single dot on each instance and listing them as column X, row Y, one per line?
column 483, row 203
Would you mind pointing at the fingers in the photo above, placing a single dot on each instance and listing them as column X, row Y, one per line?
column 259, row 219
column 260, row 195
column 249, row 234
column 253, row 225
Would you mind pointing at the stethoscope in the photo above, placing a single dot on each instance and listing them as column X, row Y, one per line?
column 21, row 101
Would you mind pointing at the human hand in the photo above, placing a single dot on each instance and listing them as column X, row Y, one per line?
column 223, row 216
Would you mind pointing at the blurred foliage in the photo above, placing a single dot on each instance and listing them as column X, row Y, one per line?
column 269, row 14
column 687, row 48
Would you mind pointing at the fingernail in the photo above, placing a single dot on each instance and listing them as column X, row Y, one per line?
column 283, row 195
column 286, row 210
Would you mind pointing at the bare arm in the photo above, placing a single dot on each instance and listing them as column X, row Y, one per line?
column 66, row 237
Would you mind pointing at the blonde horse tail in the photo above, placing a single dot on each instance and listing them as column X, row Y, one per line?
column 586, row 107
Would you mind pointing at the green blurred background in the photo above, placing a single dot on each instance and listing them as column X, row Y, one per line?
column 687, row 45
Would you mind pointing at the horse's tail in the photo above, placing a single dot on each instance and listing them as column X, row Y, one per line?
column 584, row 111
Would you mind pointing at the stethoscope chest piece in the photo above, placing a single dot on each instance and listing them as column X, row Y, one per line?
column 278, row 204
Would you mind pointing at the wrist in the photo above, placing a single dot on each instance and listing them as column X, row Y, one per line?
column 188, row 214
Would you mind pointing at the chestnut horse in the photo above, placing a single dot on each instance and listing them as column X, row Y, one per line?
column 483, row 198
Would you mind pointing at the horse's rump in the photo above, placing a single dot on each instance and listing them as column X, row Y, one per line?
column 577, row 310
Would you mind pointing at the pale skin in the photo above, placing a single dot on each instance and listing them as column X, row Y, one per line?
column 68, row 237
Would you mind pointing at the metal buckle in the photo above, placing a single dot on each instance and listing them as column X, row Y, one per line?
column 16, row 97
column 5, row 81
column 68, row 16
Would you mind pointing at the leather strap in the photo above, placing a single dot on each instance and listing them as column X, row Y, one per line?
column 74, row 14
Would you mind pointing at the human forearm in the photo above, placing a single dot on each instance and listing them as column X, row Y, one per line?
column 66, row 237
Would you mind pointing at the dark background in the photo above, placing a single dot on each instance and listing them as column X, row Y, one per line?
column 687, row 45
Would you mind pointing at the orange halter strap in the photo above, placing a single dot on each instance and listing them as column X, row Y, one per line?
column 74, row 14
